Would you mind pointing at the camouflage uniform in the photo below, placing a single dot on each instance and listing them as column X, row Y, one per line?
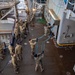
column 21, row 31
column 18, row 51
column 16, row 32
column 38, row 61
column 10, row 49
column 32, row 44
column 15, row 63
column 20, row 22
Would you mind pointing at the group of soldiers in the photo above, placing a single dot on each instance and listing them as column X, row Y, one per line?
column 15, row 48
column 20, row 32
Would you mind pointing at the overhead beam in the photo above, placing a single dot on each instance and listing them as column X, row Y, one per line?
column 7, row 13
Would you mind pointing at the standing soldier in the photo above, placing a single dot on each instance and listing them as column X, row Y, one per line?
column 18, row 51
column 10, row 47
column 32, row 44
column 15, row 62
column 24, row 25
column 38, row 60
column 16, row 25
column 16, row 32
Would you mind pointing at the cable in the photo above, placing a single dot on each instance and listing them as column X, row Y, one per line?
column 40, row 37
column 36, row 48
column 43, row 44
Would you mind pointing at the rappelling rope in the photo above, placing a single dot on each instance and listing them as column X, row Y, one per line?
column 36, row 48
column 43, row 43
column 40, row 37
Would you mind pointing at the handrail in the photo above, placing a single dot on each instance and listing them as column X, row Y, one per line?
column 40, row 1
column 53, row 14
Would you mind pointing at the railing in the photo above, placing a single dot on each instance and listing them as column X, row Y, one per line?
column 8, row 0
column 41, row 1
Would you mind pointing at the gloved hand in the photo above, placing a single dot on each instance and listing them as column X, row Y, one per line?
column 36, row 39
column 35, row 55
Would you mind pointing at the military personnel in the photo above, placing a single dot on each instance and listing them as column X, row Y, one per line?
column 32, row 44
column 38, row 60
column 22, row 31
column 16, row 25
column 16, row 32
column 11, row 49
column 24, row 25
column 18, row 51
column 15, row 62
column 26, row 30
column 20, row 22
column 19, row 40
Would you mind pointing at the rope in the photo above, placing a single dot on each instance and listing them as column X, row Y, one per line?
column 40, row 37
column 36, row 48
column 43, row 43
column 47, row 38
column 43, row 46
